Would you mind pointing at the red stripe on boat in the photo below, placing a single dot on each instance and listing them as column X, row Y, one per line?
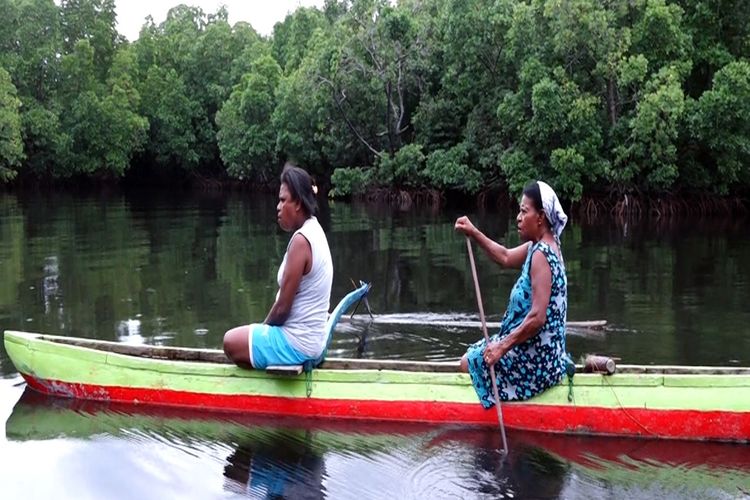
column 567, row 419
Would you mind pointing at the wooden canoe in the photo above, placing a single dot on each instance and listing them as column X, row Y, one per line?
column 696, row 403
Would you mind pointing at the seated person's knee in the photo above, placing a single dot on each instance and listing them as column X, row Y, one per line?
column 229, row 342
column 463, row 365
column 236, row 344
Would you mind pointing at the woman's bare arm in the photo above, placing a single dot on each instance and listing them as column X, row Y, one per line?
column 541, row 291
column 506, row 257
column 298, row 262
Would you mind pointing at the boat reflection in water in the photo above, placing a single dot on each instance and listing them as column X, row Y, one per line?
column 267, row 457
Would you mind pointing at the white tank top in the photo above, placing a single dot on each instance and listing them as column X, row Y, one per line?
column 305, row 326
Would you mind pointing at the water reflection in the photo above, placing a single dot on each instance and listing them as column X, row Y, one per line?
column 129, row 331
column 467, row 463
column 49, row 283
column 270, row 468
column 297, row 458
column 179, row 269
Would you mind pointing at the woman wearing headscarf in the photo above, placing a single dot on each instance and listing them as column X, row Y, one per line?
column 528, row 352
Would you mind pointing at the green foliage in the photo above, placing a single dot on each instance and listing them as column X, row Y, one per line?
column 100, row 118
column 519, row 169
column 460, row 95
column 659, row 36
column 246, row 139
column 78, row 72
column 410, row 168
column 583, row 33
column 349, row 181
column 46, row 144
column 721, row 123
column 632, row 71
column 190, row 64
column 404, row 168
column 569, row 164
column 11, row 148
column 170, row 113
column 291, row 36
column 447, row 169
column 95, row 22
column 105, row 133
column 466, row 70
column 650, row 153
column 251, row 52
column 555, row 126
column 307, row 123
column 720, row 33
column 371, row 75
column 30, row 40
column 547, row 113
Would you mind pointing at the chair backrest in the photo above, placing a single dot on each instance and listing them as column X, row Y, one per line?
column 347, row 302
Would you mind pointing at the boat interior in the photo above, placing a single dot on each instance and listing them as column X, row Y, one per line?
column 218, row 356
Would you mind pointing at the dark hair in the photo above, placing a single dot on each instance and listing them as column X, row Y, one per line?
column 300, row 186
column 532, row 192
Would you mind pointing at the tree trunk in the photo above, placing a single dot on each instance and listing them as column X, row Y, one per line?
column 612, row 101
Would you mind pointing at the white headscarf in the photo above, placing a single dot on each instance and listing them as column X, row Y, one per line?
column 552, row 209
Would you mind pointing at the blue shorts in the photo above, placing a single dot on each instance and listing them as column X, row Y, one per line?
column 269, row 346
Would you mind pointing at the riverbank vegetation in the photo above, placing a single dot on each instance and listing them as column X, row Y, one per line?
column 614, row 99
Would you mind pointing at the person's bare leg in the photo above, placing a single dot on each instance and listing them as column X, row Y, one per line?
column 237, row 345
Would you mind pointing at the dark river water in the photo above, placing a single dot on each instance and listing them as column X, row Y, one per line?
column 180, row 269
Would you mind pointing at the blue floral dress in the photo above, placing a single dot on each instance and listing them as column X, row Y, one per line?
column 532, row 366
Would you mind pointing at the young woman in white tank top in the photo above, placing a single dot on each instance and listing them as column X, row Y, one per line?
column 294, row 329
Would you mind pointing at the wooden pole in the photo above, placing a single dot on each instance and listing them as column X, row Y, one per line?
column 487, row 338
column 411, row 319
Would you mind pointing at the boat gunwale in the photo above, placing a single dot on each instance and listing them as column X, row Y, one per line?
column 216, row 356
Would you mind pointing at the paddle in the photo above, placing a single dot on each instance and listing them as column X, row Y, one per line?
column 447, row 320
column 487, row 338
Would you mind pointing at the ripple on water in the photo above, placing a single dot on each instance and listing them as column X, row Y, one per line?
column 651, row 478
column 458, row 471
column 363, row 474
